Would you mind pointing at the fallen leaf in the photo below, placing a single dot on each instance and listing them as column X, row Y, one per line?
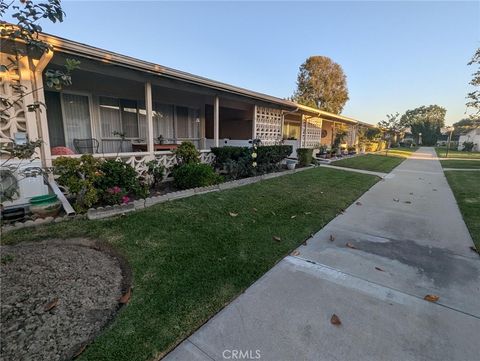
column 408, row 202
column 396, row 200
column 474, row 249
column 294, row 216
column 411, row 193
column 273, row 213
column 277, row 238
column 308, row 213
column 434, row 190
column 80, row 351
column 358, row 203
column 255, row 209
column 431, row 298
column 335, row 320
column 233, row 214
column 304, row 243
column 295, row 253
column 126, row 297
column 332, row 238
column 379, row 269
column 51, row 305
column 349, row 245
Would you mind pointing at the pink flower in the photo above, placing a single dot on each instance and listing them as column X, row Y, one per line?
column 116, row 189
column 125, row 199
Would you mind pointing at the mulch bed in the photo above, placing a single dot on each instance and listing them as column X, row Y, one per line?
column 56, row 296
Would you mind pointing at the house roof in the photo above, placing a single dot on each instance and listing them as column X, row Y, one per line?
column 75, row 48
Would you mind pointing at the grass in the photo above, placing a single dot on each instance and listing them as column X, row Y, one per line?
column 378, row 162
column 466, row 188
column 466, row 164
column 192, row 256
column 442, row 152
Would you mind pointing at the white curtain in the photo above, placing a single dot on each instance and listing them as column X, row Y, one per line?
column 110, row 117
column 163, row 121
column 77, row 118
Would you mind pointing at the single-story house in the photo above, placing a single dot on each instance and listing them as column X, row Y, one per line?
column 122, row 107
column 473, row 136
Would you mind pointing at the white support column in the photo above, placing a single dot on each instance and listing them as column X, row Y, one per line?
column 254, row 123
column 303, row 131
column 216, row 120
column 149, row 117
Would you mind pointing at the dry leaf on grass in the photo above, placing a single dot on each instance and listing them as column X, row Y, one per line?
column 51, row 305
column 233, row 214
column 349, row 245
column 255, row 209
column 295, row 253
column 307, row 213
column 335, row 320
column 379, row 269
column 294, row 216
column 276, row 238
column 126, row 297
column 273, row 213
column 358, row 203
column 431, row 298
column 332, row 238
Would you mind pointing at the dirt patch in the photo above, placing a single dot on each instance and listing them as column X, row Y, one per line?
column 56, row 296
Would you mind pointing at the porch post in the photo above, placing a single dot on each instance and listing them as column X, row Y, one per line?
column 303, row 131
column 149, row 117
column 216, row 120
column 254, row 123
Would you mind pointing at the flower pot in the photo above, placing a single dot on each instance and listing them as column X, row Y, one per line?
column 291, row 164
column 44, row 206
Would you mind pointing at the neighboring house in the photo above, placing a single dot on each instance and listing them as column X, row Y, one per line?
column 473, row 135
column 122, row 107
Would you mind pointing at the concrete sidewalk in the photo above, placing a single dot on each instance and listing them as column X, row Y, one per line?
column 409, row 239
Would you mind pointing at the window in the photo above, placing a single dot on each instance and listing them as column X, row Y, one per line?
column 68, row 117
column 120, row 116
column 163, row 121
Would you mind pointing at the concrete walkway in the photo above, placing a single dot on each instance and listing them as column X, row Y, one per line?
column 409, row 241
column 378, row 174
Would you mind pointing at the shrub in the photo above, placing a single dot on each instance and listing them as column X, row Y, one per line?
column 192, row 175
column 468, row 146
column 116, row 173
column 227, row 154
column 79, row 176
column 186, row 153
column 304, row 156
column 155, row 172
column 269, row 157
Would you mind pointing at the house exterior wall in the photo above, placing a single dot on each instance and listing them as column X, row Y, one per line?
column 472, row 136
column 327, row 128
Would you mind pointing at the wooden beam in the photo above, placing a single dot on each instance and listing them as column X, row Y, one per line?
column 149, row 117
column 216, row 120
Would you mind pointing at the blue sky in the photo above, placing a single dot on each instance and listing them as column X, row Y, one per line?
column 396, row 55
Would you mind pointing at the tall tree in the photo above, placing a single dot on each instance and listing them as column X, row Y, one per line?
column 322, row 84
column 392, row 127
column 426, row 121
column 474, row 96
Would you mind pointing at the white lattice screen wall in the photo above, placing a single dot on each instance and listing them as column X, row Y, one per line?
column 268, row 125
column 14, row 119
column 313, row 132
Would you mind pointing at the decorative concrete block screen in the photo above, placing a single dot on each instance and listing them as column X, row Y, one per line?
column 14, row 120
column 268, row 125
column 313, row 132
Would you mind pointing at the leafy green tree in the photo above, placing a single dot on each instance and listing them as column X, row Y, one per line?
column 425, row 120
column 322, row 84
column 474, row 96
column 391, row 127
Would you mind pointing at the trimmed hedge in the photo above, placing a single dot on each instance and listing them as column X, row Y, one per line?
column 237, row 162
column 304, row 156
column 192, row 175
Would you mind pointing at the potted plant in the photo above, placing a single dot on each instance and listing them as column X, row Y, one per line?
column 334, row 152
column 291, row 163
column 322, row 151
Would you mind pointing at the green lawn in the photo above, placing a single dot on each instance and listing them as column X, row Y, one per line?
column 372, row 162
column 192, row 256
column 466, row 187
column 442, row 152
column 467, row 164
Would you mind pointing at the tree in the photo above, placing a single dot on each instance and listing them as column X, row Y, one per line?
column 20, row 38
column 425, row 120
column 474, row 96
column 322, row 84
column 392, row 127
